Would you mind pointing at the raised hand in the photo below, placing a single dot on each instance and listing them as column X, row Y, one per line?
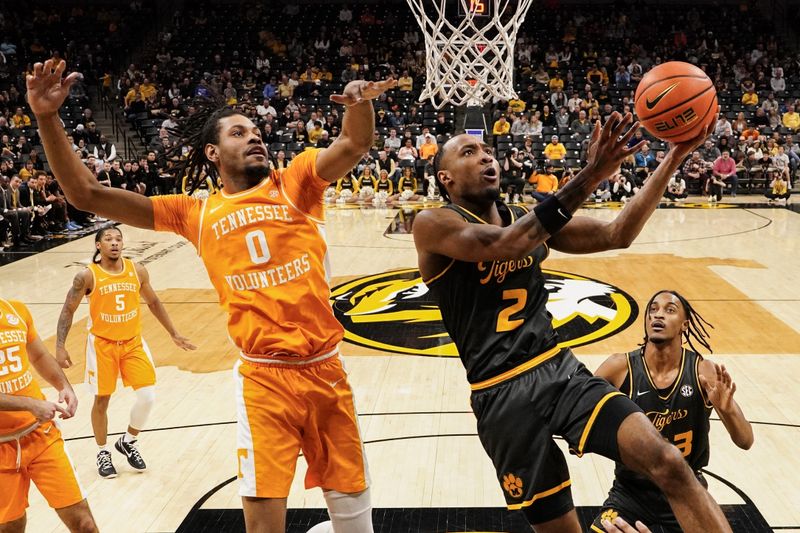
column 359, row 91
column 609, row 144
column 720, row 394
column 46, row 88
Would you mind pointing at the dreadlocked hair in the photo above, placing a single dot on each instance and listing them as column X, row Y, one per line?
column 196, row 131
column 697, row 324
column 98, row 237
column 437, row 165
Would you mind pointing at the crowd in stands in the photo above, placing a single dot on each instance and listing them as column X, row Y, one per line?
column 280, row 62
column 32, row 206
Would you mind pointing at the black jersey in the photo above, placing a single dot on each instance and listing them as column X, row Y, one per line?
column 409, row 184
column 680, row 412
column 385, row 186
column 495, row 311
column 348, row 184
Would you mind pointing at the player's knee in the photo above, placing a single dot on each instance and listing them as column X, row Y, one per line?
column 101, row 402
column 85, row 524
column 669, row 470
column 146, row 395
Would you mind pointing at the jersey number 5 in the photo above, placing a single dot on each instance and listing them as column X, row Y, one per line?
column 518, row 298
column 258, row 247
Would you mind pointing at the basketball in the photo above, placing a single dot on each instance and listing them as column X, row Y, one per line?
column 675, row 101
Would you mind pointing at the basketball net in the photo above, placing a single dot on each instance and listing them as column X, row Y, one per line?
column 469, row 56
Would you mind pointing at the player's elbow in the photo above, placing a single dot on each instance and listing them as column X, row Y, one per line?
column 82, row 197
column 745, row 442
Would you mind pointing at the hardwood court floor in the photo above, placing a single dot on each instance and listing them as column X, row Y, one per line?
column 738, row 266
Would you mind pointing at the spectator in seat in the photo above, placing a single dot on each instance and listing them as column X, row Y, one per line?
column 723, row 127
column 546, row 183
column 697, row 169
column 709, row 151
column 750, row 97
column 724, row 168
column 555, row 151
column 501, row 126
column 20, row 119
column 791, row 119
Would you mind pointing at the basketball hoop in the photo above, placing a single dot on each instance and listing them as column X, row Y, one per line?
column 469, row 48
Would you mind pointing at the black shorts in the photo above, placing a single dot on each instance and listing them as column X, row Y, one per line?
column 518, row 418
column 643, row 502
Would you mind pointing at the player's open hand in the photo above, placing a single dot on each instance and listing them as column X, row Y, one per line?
column 621, row 526
column 182, row 342
column 46, row 88
column 359, row 91
column 720, row 394
column 687, row 147
column 609, row 145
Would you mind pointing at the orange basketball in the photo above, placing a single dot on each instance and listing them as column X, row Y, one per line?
column 675, row 101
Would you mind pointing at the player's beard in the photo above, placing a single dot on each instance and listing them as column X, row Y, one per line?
column 256, row 172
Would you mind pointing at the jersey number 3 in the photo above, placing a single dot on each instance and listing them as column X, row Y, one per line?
column 684, row 442
column 518, row 298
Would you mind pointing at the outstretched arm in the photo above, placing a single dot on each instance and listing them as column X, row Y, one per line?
column 358, row 127
column 46, row 92
column 585, row 235
column 159, row 311
column 442, row 232
column 81, row 285
column 719, row 388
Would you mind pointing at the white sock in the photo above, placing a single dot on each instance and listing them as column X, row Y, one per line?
column 127, row 437
column 350, row 513
column 102, row 448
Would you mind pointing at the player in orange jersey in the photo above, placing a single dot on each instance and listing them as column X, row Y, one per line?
column 31, row 446
column 260, row 239
column 112, row 285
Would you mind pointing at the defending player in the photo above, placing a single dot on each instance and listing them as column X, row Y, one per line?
column 114, row 347
column 260, row 239
column 676, row 388
column 31, row 445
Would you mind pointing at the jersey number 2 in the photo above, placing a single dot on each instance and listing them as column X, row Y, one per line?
column 518, row 298
column 257, row 246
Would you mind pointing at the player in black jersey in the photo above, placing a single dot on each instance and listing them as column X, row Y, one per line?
column 676, row 388
column 482, row 261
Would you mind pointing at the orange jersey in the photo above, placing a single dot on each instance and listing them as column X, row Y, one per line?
column 16, row 331
column 265, row 252
column 114, row 303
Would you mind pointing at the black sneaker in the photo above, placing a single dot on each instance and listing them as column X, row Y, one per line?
column 131, row 451
column 104, row 465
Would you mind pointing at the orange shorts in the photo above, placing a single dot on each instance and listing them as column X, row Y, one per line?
column 107, row 359
column 45, row 461
column 282, row 409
